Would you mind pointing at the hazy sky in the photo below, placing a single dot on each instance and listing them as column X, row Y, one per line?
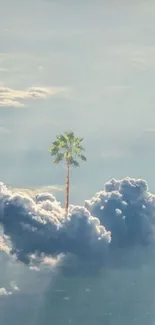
column 85, row 65
column 88, row 66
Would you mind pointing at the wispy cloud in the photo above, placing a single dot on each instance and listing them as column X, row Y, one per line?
column 14, row 286
column 16, row 98
column 34, row 191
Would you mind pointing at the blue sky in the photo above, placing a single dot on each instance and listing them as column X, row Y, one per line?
column 85, row 66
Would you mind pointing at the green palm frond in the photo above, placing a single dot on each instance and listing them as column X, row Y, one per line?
column 69, row 136
column 83, row 157
column 78, row 149
column 54, row 150
column 59, row 157
column 78, row 140
column 68, row 147
column 74, row 162
column 61, row 142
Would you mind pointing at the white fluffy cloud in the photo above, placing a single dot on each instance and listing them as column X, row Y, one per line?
column 16, row 97
column 121, row 215
column 45, row 233
column 4, row 292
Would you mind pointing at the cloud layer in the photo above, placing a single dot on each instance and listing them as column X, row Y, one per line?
column 34, row 227
column 37, row 226
column 13, row 97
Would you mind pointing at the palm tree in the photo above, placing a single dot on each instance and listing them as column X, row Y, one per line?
column 67, row 148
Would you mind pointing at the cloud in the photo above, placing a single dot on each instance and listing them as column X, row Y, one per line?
column 52, row 262
column 16, row 98
column 45, row 232
column 34, row 268
column 33, row 191
column 14, row 286
column 3, row 246
column 36, row 231
column 127, row 209
column 4, row 292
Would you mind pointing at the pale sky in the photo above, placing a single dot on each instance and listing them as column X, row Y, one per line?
column 82, row 65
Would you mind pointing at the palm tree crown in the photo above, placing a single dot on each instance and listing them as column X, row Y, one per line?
column 67, row 147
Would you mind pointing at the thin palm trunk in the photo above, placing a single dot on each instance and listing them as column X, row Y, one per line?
column 67, row 191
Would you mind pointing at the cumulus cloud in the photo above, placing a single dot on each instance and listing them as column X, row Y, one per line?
column 37, row 226
column 36, row 231
column 127, row 210
column 16, row 97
